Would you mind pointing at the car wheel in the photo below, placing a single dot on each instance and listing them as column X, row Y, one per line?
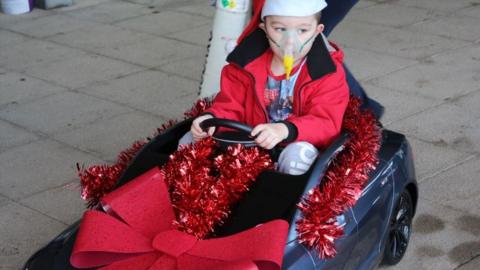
column 399, row 230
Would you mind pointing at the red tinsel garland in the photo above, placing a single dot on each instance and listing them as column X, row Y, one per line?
column 343, row 183
column 203, row 184
column 202, row 200
column 98, row 180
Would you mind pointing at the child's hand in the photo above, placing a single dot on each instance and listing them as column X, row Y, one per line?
column 197, row 132
column 270, row 134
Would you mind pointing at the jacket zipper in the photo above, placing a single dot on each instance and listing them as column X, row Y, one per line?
column 298, row 95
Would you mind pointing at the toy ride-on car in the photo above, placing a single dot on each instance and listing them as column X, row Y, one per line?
column 376, row 229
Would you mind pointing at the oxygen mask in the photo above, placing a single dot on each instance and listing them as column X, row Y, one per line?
column 291, row 47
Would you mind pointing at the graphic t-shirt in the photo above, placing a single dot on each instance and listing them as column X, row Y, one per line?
column 279, row 94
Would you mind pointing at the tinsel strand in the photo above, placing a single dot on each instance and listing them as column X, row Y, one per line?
column 343, row 183
column 204, row 184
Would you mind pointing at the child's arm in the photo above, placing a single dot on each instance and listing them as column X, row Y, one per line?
column 321, row 121
column 228, row 103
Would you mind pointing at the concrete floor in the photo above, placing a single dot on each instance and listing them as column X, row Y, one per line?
column 79, row 84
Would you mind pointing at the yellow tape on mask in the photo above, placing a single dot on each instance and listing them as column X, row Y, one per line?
column 288, row 65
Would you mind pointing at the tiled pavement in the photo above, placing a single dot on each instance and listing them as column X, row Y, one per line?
column 80, row 83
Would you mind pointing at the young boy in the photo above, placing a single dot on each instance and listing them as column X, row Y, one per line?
column 286, row 81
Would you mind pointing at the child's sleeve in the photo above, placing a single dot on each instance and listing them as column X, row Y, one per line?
column 323, row 114
column 228, row 103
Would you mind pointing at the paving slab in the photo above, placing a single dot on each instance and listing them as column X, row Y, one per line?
column 172, row 4
column 349, row 31
column 440, row 5
column 61, row 112
column 365, row 3
column 397, row 42
column 10, row 38
column 49, row 25
column 437, row 238
column 7, row 21
column 154, row 52
column 101, row 38
column 62, row 203
column 197, row 35
column 443, row 125
column 446, row 75
column 458, row 27
column 203, row 9
column 473, row 10
column 175, row 109
column 18, row 238
column 471, row 265
column 79, row 4
column 457, row 188
column 468, row 102
column 472, row 133
column 392, row 15
column 163, row 95
column 33, row 53
column 398, row 105
column 110, row 11
column 367, row 64
column 164, row 22
column 19, row 88
column 156, row 3
column 107, row 138
column 81, row 71
column 38, row 166
column 4, row 201
column 11, row 136
column 191, row 67
column 431, row 158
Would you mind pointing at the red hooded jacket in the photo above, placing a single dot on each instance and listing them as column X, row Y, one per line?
column 321, row 92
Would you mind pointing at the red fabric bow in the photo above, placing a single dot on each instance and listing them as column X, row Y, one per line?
column 136, row 233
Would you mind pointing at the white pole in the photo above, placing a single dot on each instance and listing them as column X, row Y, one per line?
column 230, row 19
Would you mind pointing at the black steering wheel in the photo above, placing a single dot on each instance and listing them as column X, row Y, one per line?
column 239, row 135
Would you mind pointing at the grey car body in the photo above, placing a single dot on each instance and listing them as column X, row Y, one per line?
column 367, row 225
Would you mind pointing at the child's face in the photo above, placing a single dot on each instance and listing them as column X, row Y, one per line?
column 305, row 28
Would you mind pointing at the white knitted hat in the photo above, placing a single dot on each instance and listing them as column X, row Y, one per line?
column 298, row 8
